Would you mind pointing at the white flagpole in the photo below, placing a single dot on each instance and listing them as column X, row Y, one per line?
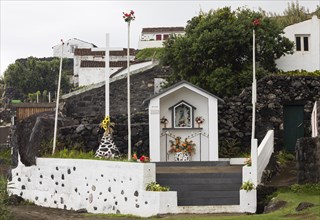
column 254, row 85
column 57, row 102
column 128, row 93
column 107, row 75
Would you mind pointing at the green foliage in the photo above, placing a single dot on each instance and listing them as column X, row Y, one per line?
column 293, row 14
column 5, row 156
column 300, row 73
column 248, row 186
column 284, row 157
column 306, row 188
column 153, row 186
column 72, row 154
column 216, row 51
column 229, row 149
column 32, row 74
column 149, row 54
column 4, row 212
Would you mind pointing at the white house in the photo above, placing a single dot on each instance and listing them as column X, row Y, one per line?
column 306, row 56
column 70, row 46
column 180, row 104
column 154, row 37
column 89, row 64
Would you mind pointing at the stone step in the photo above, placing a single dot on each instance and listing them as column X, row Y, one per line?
column 202, row 185
column 200, row 169
column 192, row 163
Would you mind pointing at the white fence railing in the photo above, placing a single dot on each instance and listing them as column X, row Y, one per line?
column 264, row 153
column 314, row 121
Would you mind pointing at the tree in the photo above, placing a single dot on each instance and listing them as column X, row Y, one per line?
column 216, row 51
column 31, row 75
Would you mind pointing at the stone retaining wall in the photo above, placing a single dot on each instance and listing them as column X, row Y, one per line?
column 308, row 160
column 273, row 93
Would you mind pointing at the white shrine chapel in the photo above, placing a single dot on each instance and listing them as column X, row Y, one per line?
column 179, row 106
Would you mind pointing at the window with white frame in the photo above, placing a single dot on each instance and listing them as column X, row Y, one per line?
column 302, row 42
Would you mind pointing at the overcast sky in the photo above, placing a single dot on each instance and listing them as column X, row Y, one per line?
column 31, row 28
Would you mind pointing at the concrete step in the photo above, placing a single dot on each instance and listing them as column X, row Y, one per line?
column 192, row 163
column 202, row 185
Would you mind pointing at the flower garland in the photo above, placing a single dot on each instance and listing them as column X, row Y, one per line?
column 199, row 119
column 187, row 146
column 128, row 17
column 106, row 125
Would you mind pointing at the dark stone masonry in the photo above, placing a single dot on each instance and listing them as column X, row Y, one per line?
column 84, row 110
column 308, row 160
column 273, row 93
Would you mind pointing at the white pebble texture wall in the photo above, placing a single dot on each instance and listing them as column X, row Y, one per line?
column 94, row 185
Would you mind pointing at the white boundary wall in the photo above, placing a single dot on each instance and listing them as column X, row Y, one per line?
column 94, row 185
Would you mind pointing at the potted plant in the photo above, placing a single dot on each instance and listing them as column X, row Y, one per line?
column 183, row 150
column 248, row 197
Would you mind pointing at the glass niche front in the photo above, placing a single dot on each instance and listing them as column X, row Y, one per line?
column 182, row 116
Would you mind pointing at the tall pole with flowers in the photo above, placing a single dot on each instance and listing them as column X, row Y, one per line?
column 255, row 23
column 128, row 17
column 254, row 141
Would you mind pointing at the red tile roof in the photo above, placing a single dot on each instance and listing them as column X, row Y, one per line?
column 162, row 29
column 89, row 52
column 101, row 64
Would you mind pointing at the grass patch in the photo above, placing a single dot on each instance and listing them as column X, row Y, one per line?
column 149, row 53
column 107, row 216
column 5, row 156
column 76, row 154
column 5, row 214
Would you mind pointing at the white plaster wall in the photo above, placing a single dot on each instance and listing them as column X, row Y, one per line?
column 89, row 76
column 303, row 60
column 154, row 130
column 150, row 44
column 98, row 186
column 198, row 101
column 67, row 51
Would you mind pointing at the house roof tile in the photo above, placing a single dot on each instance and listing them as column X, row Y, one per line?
column 162, row 29
column 89, row 52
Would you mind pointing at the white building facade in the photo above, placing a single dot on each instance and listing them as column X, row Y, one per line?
column 154, row 37
column 70, row 46
column 306, row 56
column 89, row 64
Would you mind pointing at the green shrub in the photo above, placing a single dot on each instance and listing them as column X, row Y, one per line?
column 228, row 149
column 300, row 73
column 284, row 157
column 153, row 186
column 248, row 186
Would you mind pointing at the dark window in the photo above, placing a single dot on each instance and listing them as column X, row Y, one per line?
column 165, row 36
column 298, row 43
column 158, row 37
column 306, row 43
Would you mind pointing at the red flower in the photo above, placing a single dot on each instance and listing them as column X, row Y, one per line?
column 256, row 22
column 144, row 159
column 134, row 157
column 128, row 17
